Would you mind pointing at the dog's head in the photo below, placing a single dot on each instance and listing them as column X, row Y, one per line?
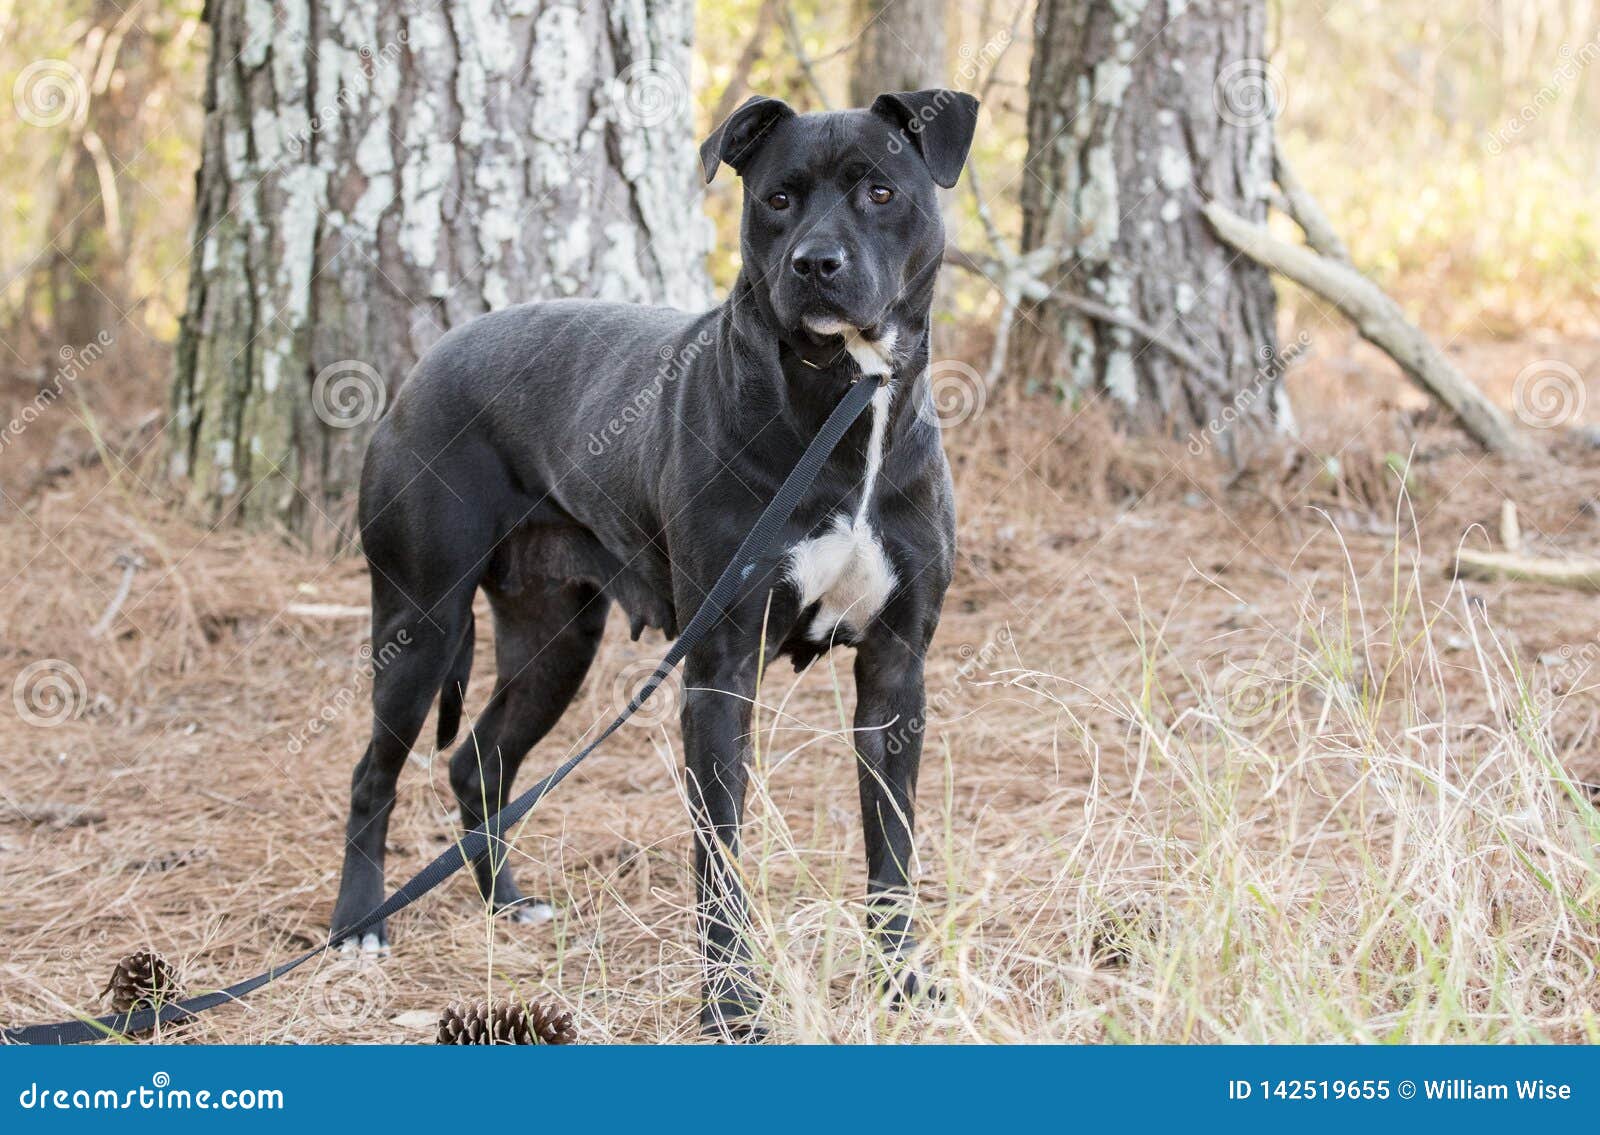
column 841, row 224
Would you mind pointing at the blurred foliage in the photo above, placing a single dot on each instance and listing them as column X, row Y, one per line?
column 1396, row 113
column 1399, row 114
column 102, row 135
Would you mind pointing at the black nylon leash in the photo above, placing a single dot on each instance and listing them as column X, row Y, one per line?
column 757, row 546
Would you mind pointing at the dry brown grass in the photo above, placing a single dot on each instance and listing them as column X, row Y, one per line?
column 1214, row 758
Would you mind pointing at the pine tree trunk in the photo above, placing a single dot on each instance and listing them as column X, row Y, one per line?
column 376, row 172
column 901, row 48
column 1138, row 114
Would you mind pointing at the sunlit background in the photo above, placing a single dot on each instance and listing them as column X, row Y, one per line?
column 1455, row 144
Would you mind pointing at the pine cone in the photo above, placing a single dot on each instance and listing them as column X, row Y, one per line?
column 505, row 1022
column 143, row 980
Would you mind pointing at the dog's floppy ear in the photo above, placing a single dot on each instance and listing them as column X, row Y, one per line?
column 940, row 124
column 737, row 138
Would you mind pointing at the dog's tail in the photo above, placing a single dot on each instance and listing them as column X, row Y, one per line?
column 455, row 686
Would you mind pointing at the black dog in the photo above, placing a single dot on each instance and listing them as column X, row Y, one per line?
column 565, row 455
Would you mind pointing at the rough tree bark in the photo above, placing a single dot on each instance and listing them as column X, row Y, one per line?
column 901, row 48
column 1141, row 111
column 375, row 172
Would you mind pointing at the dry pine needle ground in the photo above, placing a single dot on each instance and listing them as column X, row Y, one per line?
column 1207, row 764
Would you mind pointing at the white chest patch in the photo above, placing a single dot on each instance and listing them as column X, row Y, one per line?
column 844, row 569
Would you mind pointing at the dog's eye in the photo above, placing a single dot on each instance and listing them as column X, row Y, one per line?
column 778, row 201
column 880, row 194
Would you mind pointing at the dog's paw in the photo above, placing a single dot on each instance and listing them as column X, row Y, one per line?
column 731, row 1009
column 528, row 912
column 736, row 1032
column 907, row 986
column 732, row 1025
column 372, row 944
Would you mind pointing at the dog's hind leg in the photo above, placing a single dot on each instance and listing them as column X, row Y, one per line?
column 412, row 652
column 545, row 639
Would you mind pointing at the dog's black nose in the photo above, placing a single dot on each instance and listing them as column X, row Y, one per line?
column 820, row 260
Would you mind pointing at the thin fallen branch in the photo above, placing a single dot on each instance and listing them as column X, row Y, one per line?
column 130, row 563
column 1021, row 279
column 1304, row 211
column 1510, row 527
column 1579, row 575
column 1380, row 321
column 327, row 611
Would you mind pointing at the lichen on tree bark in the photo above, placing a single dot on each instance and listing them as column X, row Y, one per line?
column 375, row 172
column 1140, row 111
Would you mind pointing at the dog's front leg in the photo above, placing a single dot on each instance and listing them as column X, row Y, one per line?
column 889, row 721
column 719, row 681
